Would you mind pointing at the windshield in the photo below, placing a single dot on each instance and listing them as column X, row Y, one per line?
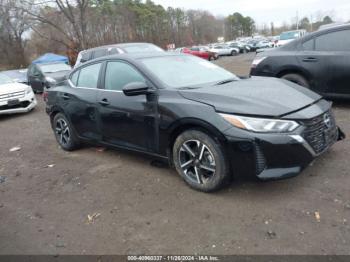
column 52, row 68
column 186, row 71
column 4, row 79
column 289, row 35
column 142, row 48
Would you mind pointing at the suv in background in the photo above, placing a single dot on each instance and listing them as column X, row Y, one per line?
column 289, row 36
column 46, row 75
column 319, row 61
column 101, row 51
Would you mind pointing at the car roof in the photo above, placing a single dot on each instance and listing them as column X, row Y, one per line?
column 121, row 45
column 132, row 56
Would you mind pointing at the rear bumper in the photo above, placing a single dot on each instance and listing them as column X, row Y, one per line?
column 27, row 103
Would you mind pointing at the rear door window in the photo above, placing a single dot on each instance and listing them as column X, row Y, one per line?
column 334, row 41
column 88, row 76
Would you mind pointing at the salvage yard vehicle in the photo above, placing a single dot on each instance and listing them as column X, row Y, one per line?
column 17, row 75
column 100, row 51
column 319, row 61
column 202, row 52
column 15, row 97
column 289, row 36
column 222, row 50
column 204, row 120
column 45, row 75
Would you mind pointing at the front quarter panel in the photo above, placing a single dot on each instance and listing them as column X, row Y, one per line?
column 176, row 111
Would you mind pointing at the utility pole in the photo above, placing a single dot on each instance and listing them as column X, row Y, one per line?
column 297, row 20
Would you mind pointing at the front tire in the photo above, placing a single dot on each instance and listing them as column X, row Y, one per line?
column 297, row 79
column 64, row 133
column 200, row 160
column 233, row 53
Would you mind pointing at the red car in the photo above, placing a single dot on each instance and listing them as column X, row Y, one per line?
column 201, row 51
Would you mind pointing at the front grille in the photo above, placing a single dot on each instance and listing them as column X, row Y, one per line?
column 23, row 104
column 10, row 96
column 320, row 131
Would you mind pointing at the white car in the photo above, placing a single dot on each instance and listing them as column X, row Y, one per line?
column 224, row 50
column 15, row 97
column 289, row 36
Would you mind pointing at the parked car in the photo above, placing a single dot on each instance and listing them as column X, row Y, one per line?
column 243, row 48
column 289, row 36
column 15, row 97
column 17, row 75
column 101, row 51
column 204, row 120
column 222, row 50
column 202, row 52
column 319, row 61
column 45, row 75
column 264, row 44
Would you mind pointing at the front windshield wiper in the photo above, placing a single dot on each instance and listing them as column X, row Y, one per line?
column 226, row 81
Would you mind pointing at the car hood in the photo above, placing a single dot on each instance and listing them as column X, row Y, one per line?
column 58, row 76
column 12, row 88
column 257, row 96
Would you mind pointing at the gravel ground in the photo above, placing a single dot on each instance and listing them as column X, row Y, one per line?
column 95, row 201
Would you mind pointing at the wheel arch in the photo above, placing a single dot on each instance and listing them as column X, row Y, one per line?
column 294, row 70
column 192, row 124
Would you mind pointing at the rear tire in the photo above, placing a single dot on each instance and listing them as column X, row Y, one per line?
column 64, row 133
column 297, row 79
column 233, row 53
column 200, row 160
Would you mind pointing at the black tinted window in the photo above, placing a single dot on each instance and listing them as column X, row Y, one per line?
column 100, row 52
column 88, row 76
column 335, row 41
column 308, row 45
column 118, row 74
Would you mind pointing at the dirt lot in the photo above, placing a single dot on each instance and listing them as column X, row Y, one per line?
column 134, row 207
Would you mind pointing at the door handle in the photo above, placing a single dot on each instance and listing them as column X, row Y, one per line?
column 65, row 96
column 310, row 59
column 104, row 102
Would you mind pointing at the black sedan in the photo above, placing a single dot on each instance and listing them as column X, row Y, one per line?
column 204, row 120
column 319, row 61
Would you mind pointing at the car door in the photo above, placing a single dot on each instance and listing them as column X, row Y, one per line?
column 336, row 47
column 313, row 63
column 79, row 102
column 35, row 78
column 195, row 51
column 126, row 121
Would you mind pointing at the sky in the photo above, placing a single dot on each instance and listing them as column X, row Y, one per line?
column 266, row 11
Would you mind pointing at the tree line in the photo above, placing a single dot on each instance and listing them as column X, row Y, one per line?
column 29, row 28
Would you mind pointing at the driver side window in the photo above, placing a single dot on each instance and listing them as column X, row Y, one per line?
column 119, row 74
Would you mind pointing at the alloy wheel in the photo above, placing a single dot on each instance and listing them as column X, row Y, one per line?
column 197, row 161
column 62, row 131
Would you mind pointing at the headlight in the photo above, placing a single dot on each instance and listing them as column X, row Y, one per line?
column 50, row 80
column 261, row 125
column 257, row 61
column 29, row 90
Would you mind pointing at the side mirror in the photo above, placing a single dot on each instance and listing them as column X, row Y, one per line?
column 136, row 88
